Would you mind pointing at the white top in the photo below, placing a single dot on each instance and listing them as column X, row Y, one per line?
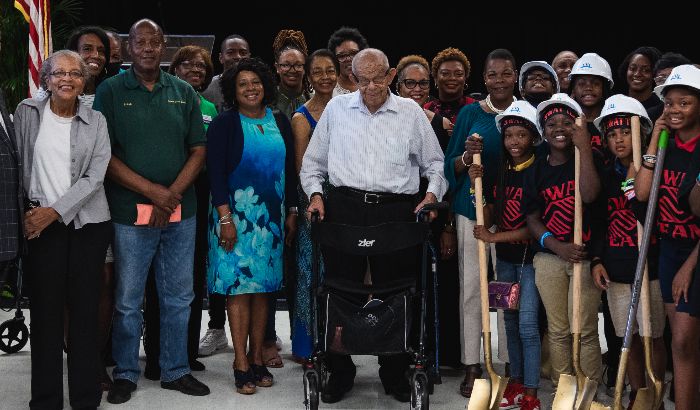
column 339, row 90
column 382, row 152
column 51, row 164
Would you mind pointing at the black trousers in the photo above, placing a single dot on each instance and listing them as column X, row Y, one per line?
column 152, row 310
column 342, row 208
column 64, row 268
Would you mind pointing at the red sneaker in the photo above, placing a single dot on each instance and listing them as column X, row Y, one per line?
column 512, row 397
column 530, row 403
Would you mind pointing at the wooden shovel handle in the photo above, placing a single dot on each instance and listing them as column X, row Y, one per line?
column 578, row 240
column 645, row 329
column 483, row 260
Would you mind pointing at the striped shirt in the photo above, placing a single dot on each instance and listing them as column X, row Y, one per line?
column 386, row 151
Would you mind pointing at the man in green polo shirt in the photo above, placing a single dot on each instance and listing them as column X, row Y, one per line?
column 158, row 148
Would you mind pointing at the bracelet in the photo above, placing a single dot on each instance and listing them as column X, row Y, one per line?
column 649, row 158
column 465, row 162
column 225, row 223
column 543, row 237
column 225, row 217
column 647, row 166
column 293, row 210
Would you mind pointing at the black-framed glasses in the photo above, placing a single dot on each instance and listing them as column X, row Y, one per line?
column 287, row 66
column 73, row 74
column 188, row 65
column 411, row 84
column 346, row 56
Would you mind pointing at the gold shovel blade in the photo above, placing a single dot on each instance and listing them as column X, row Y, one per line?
column 599, row 406
column 481, row 395
column 585, row 394
column 644, row 400
column 498, row 386
column 565, row 398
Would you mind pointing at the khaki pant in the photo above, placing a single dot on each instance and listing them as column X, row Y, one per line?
column 553, row 279
column 619, row 297
column 469, row 291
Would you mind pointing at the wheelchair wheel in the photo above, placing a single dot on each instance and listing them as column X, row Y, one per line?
column 13, row 335
column 311, row 390
column 419, row 392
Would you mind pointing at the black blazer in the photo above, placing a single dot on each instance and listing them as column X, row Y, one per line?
column 10, row 142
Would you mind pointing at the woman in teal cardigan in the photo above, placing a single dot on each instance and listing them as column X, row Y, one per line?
column 500, row 77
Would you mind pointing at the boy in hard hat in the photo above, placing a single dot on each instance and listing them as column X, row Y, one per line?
column 613, row 272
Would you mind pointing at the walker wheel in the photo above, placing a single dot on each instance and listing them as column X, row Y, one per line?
column 13, row 335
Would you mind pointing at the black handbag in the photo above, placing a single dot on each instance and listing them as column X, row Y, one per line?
column 377, row 327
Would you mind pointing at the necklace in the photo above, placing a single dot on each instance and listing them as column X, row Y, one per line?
column 492, row 107
column 522, row 166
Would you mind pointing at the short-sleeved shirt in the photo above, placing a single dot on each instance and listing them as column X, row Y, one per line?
column 512, row 218
column 208, row 111
column 550, row 190
column 152, row 133
column 674, row 219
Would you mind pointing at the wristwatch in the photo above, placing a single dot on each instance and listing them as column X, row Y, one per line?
column 293, row 210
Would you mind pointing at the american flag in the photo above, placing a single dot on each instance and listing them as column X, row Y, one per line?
column 37, row 14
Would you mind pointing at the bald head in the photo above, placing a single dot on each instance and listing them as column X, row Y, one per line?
column 563, row 63
column 145, row 24
column 370, row 58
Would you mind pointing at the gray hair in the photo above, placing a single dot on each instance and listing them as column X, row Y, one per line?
column 48, row 66
column 373, row 53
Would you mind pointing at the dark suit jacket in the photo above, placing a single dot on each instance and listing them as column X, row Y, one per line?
column 11, row 226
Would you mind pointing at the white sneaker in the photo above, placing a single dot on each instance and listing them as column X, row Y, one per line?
column 213, row 340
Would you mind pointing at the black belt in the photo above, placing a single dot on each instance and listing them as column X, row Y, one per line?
column 375, row 197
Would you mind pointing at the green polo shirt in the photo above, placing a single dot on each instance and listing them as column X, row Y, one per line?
column 152, row 133
column 208, row 111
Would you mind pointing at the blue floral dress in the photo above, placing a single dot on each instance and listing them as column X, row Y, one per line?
column 256, row 193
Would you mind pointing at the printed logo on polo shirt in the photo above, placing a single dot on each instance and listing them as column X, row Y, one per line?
column 128, row 103
column 176, row 102
column 673, row 220
column 364, row 243
column 622, row 224
column 512, row 217
column 206, row 118
column 558, row 215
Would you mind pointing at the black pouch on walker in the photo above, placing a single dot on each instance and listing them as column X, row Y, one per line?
column 377, row 327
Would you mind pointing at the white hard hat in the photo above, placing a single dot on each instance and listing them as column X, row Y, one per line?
column 524, row 110
column 592, row 64
column 537, row 64
column 622, row 104
column 686, row 74
column 557, row 99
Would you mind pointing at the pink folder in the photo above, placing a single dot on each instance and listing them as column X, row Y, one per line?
column 144, row 211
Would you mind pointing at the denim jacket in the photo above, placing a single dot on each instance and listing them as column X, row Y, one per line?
column 85, row 201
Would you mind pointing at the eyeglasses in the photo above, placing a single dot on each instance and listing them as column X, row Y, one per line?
column 188, row 65
column 450, row 74
column 74, row 74
column 538, row 77
column 378, row 80
column 660, row 79
column 346, row 56
column 287, row 66
column 411, row 84
column 319, row 73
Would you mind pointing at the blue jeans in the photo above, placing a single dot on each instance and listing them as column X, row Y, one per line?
column 171, row 252
column 522, row 328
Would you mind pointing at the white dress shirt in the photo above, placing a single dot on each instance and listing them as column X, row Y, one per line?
column 386, row 151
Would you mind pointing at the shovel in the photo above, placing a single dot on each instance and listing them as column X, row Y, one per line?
column 650, row 397
column 576, row 392
column 486, row 394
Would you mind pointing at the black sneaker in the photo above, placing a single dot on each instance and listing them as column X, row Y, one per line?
column 187, row 384
column 121, row 391
column 197, row 366
column 339, row 383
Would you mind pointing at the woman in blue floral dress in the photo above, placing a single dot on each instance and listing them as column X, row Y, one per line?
column 250, row 160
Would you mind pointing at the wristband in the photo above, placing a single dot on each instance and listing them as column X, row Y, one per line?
column 649, row 158
column 595, row 262
column 543, row 237
column 647, row 166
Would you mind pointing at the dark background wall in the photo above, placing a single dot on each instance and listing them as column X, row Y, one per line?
column 611, row 30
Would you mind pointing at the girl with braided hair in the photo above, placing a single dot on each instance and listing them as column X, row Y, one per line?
column 290, row 57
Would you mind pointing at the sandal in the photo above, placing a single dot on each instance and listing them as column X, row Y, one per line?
column 275, row 361
column 473, row 372
column 244, row 381
column 263, row 377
